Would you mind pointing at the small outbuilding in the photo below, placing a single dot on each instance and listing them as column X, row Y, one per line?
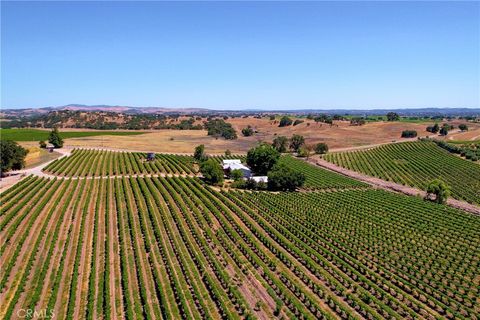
column 236, row 164
column 258, row 179
column 150, row 156
column 50, row 147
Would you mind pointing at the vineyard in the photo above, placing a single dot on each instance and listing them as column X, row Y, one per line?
column 42, row 135
column 172, row 248
column 415, row 164
column 87, row 163
column 318, row 178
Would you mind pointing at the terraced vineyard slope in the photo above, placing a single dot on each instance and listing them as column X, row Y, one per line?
column 85, row 162
column 415, row 164
column 172, row 248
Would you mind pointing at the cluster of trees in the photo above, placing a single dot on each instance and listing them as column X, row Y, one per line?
column 445, row 128
column 409, row 134
column 250, row 184
column 102, row 120
column 263, row 160
column 54, row 138
column 297, row 144
column 324, row 118
column 393, row 116
column 469, row 151
column 285, row 121
column 357, row 121
column 12, row 156
column 281, row 143
column 220, row 128
column 433, row 129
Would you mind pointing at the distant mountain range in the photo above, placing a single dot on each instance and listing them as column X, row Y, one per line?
column 162, row 110
column 106, row 108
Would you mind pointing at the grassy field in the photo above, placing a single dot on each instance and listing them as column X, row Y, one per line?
column 102, row 248
column 39, row 135
column 415, row 164
column 37, row 156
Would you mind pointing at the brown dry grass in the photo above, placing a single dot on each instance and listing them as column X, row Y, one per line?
column 340, row 135
column 472, row 134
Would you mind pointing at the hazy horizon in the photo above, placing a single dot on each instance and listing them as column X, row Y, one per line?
column 248, row 108
column 233, row 56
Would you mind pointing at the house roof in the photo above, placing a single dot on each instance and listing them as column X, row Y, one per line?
column 260, row 179
column 235, row 166
column 231, row 161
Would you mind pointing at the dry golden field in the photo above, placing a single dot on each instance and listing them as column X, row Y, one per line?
column 339, row 136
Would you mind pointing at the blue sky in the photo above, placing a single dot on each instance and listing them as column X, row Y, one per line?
column 232, row 55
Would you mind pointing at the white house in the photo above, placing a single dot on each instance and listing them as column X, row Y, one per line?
column 231, row 161
column 258, row 179
column 236, row 164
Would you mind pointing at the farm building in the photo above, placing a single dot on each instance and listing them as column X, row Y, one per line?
column 150, row 156
column 258, row 179
column 236, row 164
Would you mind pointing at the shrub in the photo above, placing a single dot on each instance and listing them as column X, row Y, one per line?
column 247, row 132
column 409, row 134
column 321, row 148
column 297, row 122
column 463, row 127
column 357, row 121
column 42, row 144
column 303, row 152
